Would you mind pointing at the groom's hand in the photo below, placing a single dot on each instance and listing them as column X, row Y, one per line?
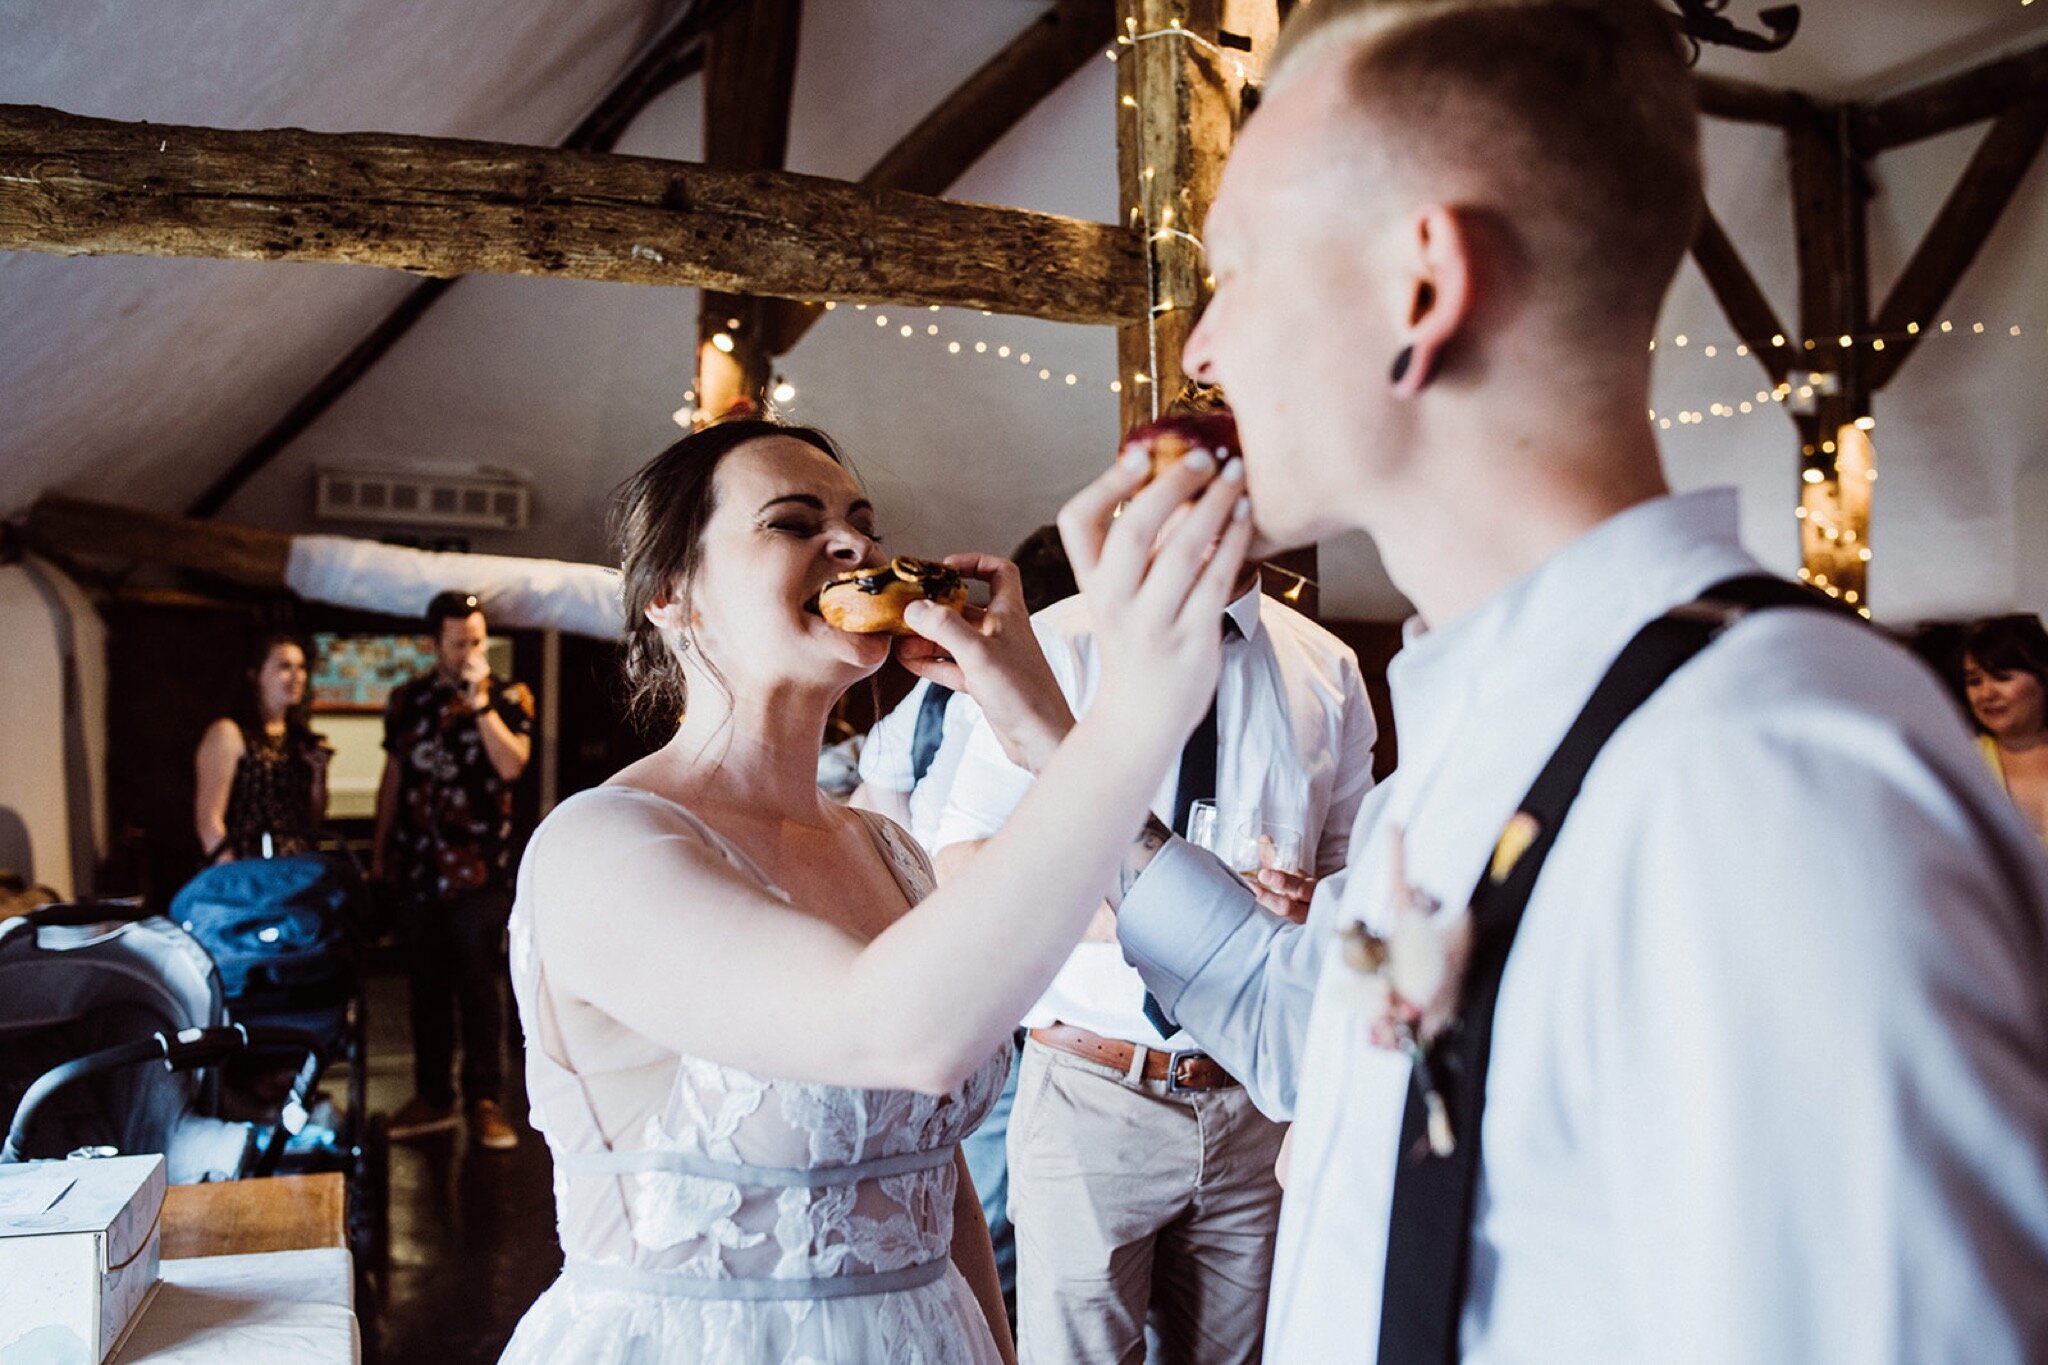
column 1285, row 893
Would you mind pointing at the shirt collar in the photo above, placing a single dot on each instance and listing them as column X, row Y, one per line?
column 1576, row 608
column 1245, row 612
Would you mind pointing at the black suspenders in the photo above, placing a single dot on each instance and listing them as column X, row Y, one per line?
column 1429, row 1234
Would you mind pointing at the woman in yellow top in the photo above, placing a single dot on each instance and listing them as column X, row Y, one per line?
column 2005, row 678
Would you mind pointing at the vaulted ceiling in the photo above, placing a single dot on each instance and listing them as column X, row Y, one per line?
column 141, row 380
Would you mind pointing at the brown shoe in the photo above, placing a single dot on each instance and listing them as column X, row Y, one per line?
column 488, row 1127
column 416, row 1119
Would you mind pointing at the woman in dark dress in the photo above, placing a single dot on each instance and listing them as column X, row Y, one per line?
column 263, row 771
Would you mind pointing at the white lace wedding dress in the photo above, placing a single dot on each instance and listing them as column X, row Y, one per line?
column 739, row 1218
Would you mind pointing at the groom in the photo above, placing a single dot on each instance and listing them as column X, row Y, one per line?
column 1769, row 1067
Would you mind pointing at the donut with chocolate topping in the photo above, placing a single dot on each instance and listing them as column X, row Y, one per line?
column 1169, row 438
column 871, row 601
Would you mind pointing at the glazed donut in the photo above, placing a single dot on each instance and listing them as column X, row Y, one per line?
column 871, row 601
column 1168, row 438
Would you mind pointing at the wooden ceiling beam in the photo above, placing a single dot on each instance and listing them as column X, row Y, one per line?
column 749, row 73
column 1740, row 297
column 1830, row 197
column 1958, row 233
column 988, row 104
column 1738, row 101
column 314, row 402
column 434, row 206
column 1177, row 111
column 1983, row 92
column 971, row 120
column 1829, row 194
column 74, row 528
column 749, row 78
column 672, row 57
column 668, row 61
column 1179, row 104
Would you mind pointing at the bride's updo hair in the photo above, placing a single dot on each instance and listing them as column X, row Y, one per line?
column 657, row 529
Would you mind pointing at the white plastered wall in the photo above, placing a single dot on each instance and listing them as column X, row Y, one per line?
column 40, row 789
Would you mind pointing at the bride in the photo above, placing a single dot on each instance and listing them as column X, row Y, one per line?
column 755, row 1033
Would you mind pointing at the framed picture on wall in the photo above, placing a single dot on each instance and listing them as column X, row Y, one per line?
column 353, row 677
column 355, row 674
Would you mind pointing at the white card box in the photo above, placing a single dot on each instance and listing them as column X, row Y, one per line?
column 79, row 1247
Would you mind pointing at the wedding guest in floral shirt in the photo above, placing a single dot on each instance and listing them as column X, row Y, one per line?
column 456, row 740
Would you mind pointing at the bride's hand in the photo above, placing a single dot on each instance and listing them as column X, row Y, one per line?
column 1157, row 579
column 992, row 654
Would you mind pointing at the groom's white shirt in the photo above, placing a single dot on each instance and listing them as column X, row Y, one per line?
column 1770, row 1063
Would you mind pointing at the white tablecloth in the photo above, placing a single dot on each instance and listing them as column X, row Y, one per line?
column 293, row 1306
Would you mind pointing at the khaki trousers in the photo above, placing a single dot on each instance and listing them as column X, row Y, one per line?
column 1129, row 1200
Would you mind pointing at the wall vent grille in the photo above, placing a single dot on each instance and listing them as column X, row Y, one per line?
column 391, row 499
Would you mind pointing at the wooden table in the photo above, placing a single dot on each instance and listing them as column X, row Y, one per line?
column 239, row 1217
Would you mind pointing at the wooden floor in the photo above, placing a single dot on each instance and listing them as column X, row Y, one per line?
column 472, row 1232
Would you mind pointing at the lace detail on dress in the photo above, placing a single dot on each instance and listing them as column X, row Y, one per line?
column 906, row 856
column 697, row 1225
column 708, row 1229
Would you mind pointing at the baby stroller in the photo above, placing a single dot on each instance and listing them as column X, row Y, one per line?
column 284, row 934
column 91, row 992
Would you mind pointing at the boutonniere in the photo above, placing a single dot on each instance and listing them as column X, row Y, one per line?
column 1413, row 976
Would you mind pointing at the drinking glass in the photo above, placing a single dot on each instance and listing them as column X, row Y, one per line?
column 1233, row 833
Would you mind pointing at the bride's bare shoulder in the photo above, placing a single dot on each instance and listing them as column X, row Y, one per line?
column 614, row 818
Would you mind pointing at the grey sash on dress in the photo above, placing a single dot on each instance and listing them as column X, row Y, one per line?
column 604, row 1275
column 745, row 1174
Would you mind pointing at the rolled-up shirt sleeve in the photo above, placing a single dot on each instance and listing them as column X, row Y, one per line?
column 1240, row 980
column 987, row 787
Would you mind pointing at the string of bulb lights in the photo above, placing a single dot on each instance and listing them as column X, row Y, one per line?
column 1160, row 229
column 1875, row 340
column 784, row 392
column 1804, row 387
column 890, row 320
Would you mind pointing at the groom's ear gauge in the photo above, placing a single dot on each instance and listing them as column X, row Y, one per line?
column 1404, row 362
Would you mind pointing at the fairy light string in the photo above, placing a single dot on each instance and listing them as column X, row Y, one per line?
column 1799, row 387
column 1159, row 229
column 1838, row 470
column 1156, row 222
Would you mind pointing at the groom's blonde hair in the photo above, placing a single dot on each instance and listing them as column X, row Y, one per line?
column 1579, row 114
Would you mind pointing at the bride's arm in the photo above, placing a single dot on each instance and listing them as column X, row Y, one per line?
column 651, row 926
column 975, row 1254
column 638, row 914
